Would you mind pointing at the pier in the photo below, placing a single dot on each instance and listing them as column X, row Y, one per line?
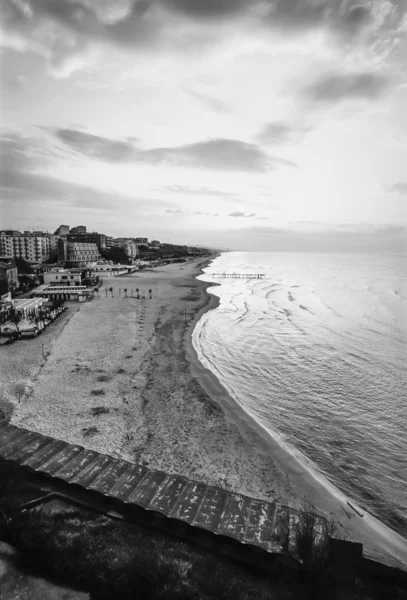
column 239, row 275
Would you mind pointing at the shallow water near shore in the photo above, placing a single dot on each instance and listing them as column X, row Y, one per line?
column 315, row 351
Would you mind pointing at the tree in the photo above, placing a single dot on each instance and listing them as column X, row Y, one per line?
column 15, row 317
column 116, row 255
column 26, row 282
column 53, row 258
column 23, row 266
column 3, row 286
column 12, row 287
column 37, row 317
column 311, row 536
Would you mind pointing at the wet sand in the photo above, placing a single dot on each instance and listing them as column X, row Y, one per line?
column 121, row 377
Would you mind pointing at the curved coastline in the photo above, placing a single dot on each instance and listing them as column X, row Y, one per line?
column 380, row 542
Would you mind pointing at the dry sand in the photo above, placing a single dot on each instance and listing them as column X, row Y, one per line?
column 132, row 362
column 125, row 358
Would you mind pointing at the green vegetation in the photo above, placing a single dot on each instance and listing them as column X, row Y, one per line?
column 100, row 410
column 113, row 559
column 116, row 255
column 23, row 266
column 88, row 431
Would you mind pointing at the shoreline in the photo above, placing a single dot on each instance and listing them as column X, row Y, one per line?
column 380, row 542
column 162, row 407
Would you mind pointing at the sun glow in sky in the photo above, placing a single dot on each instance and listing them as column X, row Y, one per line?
column 262, row 124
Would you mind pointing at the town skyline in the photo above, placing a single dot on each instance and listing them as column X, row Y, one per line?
column 261, row 125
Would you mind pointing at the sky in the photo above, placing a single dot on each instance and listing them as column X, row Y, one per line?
column 252, row 125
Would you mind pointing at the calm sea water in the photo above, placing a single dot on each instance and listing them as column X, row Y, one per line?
column 317, row 351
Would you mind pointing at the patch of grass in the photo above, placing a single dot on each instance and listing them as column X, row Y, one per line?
column 104, row 378
column 121, row 371
column 100, row 410
column 98, row 392
column 120, row 560
column 89, row 431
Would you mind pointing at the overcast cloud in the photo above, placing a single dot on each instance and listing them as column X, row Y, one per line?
column 169, row 113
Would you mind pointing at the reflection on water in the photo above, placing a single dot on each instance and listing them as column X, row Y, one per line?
column 320, row 346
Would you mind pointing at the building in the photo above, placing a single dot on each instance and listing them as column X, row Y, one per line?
column 63, row 277
column 108, row 269
column 128, row 245
column 80, row 293
column 28, row 305
column 78, row 229
column 109, row 242
column 154, row 244
column 53, row 240
column 62, row 231
column 32, row 248
column 77, row 253
column 89, row 238
column 143, row 241
column 130, row 249
column 9, row 274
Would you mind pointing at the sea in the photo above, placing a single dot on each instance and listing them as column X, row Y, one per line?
column 316, row 351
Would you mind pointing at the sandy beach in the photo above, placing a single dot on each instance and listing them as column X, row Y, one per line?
column 119, row 375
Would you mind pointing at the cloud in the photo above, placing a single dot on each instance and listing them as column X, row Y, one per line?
column 340, row 15
column 238, row 214
column 208, row 9
column 331, row 88
column 98, row 147
column 326, row 239
column 205, row 214
column 213, row 103
column 18, row 152
column 215, row 154
column 278, row 133
column 344, row 16
column 33, row 188
column 400, row 187
column 65, row 32
column 199, row 191
column 196, row 212
column 274, row 133
column 24, row 185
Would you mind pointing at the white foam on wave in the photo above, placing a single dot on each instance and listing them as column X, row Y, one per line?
column 302, row 326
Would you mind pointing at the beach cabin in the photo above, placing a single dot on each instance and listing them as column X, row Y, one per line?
column 78, row 293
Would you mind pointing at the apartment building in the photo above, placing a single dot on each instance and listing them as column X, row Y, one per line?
column 78, row 229
column 77, row 253
column 128, row 245
column 62, row 230
column 9, row 273
column 32, row 248
column 88, row 238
